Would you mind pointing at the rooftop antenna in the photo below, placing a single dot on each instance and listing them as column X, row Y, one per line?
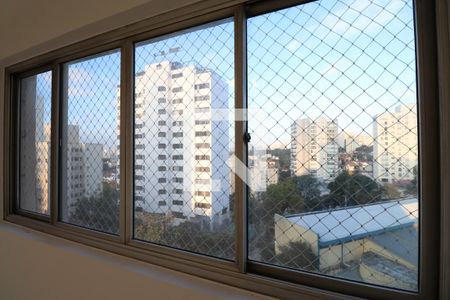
column 170, row 51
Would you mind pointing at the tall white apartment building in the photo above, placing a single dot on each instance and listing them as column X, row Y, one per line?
column 83, row 173
column 180, row 149
column 92, row 161
column 395, row 146
column 314, row 149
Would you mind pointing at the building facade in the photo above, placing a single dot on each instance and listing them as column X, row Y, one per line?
column 395, row 146
column 263, row 170
column 181, row 148
column 83, row 168
column 314, row 149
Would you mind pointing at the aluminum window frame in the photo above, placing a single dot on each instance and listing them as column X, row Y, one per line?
column 257, row 277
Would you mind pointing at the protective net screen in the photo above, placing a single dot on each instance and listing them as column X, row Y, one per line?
column 91, row 145
column 183, row 140
column 35, row 116
column 333, row 159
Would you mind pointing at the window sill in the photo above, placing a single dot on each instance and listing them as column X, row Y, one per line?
column 126, row 259
column 46, row 253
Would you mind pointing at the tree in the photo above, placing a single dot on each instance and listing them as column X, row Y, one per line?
column 284, row 156
column 282, row 198
column 309, row 188
column 357, row 189
column 149, row 226
column 284, row 175
column 297, row 255
column 390, row 191
column 363, row 153
column 284, row 160
column 189, row 236
column 99, row 212
column 412, row 187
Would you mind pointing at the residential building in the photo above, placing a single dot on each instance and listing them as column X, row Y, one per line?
column 263, row 170
column 83, row 172
column 395, row 145
column 180, row 149
column 92, row 162
column 314, row 149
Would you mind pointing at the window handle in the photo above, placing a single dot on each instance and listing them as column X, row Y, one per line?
column 247, row 137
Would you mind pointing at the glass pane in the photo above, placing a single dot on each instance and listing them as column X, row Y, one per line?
column 35, row 117
column 333, row 159
column 90, row 142
column 184, row 139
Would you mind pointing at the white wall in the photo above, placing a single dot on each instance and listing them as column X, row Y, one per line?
column 37, row 266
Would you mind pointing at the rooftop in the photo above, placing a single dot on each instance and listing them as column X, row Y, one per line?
column 352, row 223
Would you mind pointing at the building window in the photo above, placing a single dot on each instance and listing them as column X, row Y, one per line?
column 202, row 205
column 92, row 137
column 201, row 86
column 360, row 221
column 201, row 98
column 202, row 169
column 202, row 145
column 202, row 133
column 35, row 128
column 202, row 157
column 177, row 191
column 203, row 193
column 329, row 197
column 202, row 122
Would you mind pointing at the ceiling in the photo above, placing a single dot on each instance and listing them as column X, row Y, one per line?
column 25, row 24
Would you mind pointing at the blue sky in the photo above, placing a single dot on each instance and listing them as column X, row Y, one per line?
column 352, row 59
column 43, row 89
column 348, row 60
